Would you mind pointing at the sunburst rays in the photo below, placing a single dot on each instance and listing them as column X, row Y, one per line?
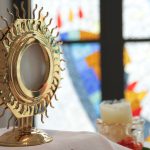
column 23, row 10
column 45, row 16
column 17, row 11
column 11, row 14
column 40, row 15
column 31, row 27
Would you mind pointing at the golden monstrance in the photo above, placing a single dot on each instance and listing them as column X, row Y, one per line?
column 22, row 102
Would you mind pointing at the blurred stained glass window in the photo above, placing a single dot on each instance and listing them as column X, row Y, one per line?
column 84, row 69
column 136, row 22
column 136, row 34
column 76, row 20
column 80, row 95
column 137, row 75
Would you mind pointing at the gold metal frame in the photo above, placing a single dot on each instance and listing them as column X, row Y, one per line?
column 14, row 95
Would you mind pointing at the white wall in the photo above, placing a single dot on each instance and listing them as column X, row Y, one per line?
column 4, row 4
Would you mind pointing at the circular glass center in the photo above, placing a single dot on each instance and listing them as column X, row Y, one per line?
column 33, row 67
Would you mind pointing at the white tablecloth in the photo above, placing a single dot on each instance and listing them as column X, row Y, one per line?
column 63, row 140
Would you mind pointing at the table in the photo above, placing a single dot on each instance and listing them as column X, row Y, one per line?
column 64, row 140
column 147, row 144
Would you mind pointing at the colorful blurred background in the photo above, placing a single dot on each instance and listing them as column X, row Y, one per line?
column 79, row 25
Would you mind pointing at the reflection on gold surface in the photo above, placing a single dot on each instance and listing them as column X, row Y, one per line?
column 14, row 95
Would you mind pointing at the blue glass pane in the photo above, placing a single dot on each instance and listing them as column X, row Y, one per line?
column 85, row 73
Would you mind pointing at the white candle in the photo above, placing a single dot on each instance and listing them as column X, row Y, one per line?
column 116, row 112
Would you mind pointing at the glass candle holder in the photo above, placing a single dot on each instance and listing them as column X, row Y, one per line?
column 130, row 135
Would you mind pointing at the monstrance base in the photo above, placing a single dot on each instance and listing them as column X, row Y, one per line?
column 19, row 138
